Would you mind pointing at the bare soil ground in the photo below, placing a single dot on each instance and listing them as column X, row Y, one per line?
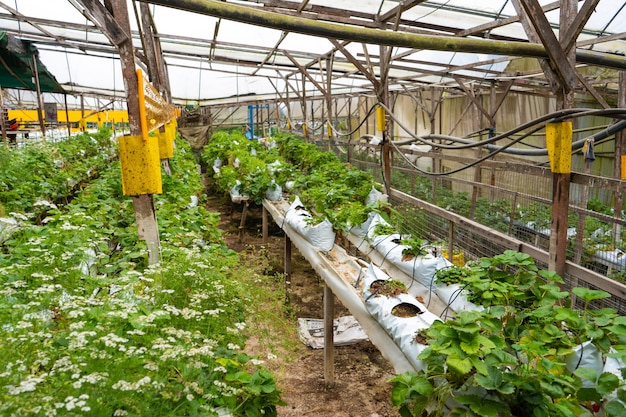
column 361, row 374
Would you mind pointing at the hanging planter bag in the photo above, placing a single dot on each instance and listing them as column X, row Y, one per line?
column 321, row 235
column 375, row 196
column 274, row 192
column 362, row 229
column 235, row 194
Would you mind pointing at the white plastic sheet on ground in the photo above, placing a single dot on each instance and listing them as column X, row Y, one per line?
column 346, row 331
column 321, row 235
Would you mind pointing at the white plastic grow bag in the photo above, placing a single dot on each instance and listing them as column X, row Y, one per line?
column 274, row 192
column 375, row 196
column 455, row 297
column 420, row 268
column 402, row 329
column 321, row 235
column 235, row 193
column 362, row 229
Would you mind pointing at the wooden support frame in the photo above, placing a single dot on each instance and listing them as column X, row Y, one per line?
column 329, row 336
column 145, row 214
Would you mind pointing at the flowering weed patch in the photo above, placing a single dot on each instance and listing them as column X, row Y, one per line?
column 89, row 329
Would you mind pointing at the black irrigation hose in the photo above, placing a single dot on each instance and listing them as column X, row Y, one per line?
column 453, row 298
column 576, row 145
column 369, row 112
column 554, row 117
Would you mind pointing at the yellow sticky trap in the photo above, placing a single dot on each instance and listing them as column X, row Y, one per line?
column 559, row 144
column 623, row 173
column 380, row 118
column 330, row 130
column 141, row 165
column 166, row 144
column 304, row 129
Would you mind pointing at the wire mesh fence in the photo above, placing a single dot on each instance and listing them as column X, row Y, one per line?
column 507, row 198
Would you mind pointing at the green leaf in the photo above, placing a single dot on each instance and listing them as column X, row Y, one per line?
column 483, row 406
column 607, row 383
column 470, row 347
column 399, row 393
column 480, row 365
column 467, row 328
column 588, row 294
column 587, row 374
column 460, row 366
column 589, row 395
column 566, row 314
column 553, row 390
column 615, row 409
column 422, row 386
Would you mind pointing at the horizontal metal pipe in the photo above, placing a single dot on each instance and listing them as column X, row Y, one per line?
column 377, row 36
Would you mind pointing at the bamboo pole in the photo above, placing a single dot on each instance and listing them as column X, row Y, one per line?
column 377, row 36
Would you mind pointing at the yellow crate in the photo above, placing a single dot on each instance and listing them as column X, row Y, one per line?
column 141, row 165
column 458, row 259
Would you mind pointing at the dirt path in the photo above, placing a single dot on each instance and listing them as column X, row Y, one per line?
column 361, row 373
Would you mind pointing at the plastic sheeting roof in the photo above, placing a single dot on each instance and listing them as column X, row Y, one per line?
column 212, row 58
column 19, row 63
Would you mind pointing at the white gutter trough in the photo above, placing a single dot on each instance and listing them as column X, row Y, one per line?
column 340, row 272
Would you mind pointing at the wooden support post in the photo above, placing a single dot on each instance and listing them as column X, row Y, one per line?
column 287, row 257
column 39, row 99
column 451, row 241
column 145, row 213
column 620, row 139
column 329, row 337
column 3, row 126
column 242, row 223
column 561, row 180
column 147, row 229
column 67, row 117
column 264, row 225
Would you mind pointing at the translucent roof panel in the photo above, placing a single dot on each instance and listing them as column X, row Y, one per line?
column 219, row 56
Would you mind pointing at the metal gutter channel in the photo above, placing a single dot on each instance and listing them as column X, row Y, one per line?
column 340, row 271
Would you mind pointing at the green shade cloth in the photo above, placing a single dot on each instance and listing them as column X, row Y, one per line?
column 16, row 59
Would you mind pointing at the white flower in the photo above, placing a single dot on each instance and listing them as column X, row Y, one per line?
column 26, row 385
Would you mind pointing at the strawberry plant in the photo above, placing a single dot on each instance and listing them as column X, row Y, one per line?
column 510, row 359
